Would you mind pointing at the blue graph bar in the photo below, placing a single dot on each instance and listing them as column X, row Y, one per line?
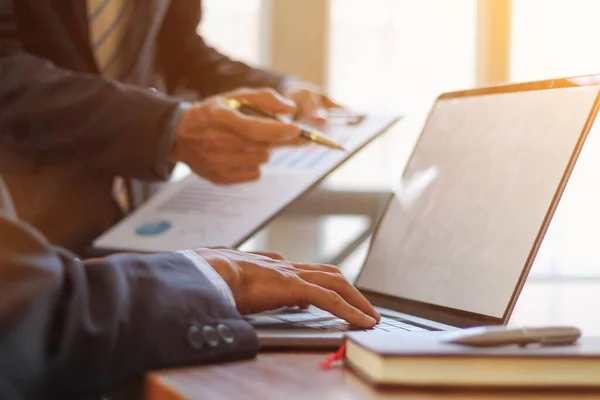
column 308, row 157
column 317, row 159
column 279, row 158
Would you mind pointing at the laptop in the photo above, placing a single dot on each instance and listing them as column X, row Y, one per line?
column 461, row 230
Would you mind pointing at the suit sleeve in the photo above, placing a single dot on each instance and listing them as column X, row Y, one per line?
column 72, row 328
column 188, row 62
column 46, row 110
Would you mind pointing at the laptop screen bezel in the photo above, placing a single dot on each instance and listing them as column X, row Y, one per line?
column 461, row 318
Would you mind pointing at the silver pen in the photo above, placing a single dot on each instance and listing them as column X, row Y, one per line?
column 491, row 336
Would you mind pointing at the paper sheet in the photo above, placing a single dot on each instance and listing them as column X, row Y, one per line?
column 195, row 212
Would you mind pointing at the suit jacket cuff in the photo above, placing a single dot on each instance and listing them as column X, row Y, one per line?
column 134, row 313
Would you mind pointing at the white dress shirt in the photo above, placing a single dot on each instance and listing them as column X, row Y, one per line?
column 212, row 275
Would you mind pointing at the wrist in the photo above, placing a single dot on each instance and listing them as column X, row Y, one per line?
column 222, row 266
column 182, row 122
column 183, row 116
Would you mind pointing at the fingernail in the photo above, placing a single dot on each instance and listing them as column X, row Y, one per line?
column 320, row 113
column 372, row 321
column 289, row 102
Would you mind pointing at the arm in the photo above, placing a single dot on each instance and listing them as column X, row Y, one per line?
column 46, row 110
column 77, row 328
column 187, row 61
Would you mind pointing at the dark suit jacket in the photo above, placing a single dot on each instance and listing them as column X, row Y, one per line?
column 70, row 329
column 65, row 132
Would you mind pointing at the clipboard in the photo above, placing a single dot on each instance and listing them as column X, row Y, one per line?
column 196, row 213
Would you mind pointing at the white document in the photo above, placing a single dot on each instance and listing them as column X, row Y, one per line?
column 195, row 212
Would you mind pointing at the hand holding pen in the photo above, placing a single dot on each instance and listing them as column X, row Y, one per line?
column 307, row 132
column 226, row 146
column 226, row 143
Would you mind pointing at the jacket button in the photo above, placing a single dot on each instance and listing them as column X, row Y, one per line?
column 211, row 336
column 195, row 337
column 226, row 333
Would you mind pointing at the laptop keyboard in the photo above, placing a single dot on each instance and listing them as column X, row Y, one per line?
column 316, row 319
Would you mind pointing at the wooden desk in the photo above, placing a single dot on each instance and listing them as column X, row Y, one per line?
column 297, row 376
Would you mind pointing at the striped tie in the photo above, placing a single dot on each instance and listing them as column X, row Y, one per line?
column 109, row 21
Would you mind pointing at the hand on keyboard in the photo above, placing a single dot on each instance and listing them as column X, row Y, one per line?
column 262, row 283
column 313, row 318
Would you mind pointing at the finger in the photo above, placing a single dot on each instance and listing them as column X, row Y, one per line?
column 310, row 106
column 217, row 139
column 339, row 284
column 328, row 103
column 256, row 129
column 329, row 300
column 298, row 142
column 265, row 99
column 270, row 254
column 231, row 177
column 224, row 161
column 317, row 267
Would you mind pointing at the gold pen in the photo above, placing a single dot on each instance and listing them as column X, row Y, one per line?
column 309, row 134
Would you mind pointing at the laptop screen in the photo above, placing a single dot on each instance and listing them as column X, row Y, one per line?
column 462, row 223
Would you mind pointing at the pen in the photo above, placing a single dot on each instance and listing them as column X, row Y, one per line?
column 309, row 134
column 491, row 336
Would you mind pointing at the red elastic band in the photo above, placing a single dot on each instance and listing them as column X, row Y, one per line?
column 332, row 357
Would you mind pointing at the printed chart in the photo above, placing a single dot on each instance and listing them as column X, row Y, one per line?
column 305, row 157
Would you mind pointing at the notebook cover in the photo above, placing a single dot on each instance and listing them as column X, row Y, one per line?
column 431, row 344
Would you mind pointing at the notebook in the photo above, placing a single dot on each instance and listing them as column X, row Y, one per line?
column 425, row 360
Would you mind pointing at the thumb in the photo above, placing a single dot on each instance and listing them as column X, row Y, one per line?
column 329, row 103
column 312, row 107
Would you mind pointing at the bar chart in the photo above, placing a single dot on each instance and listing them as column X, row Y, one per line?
column 303, row 157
